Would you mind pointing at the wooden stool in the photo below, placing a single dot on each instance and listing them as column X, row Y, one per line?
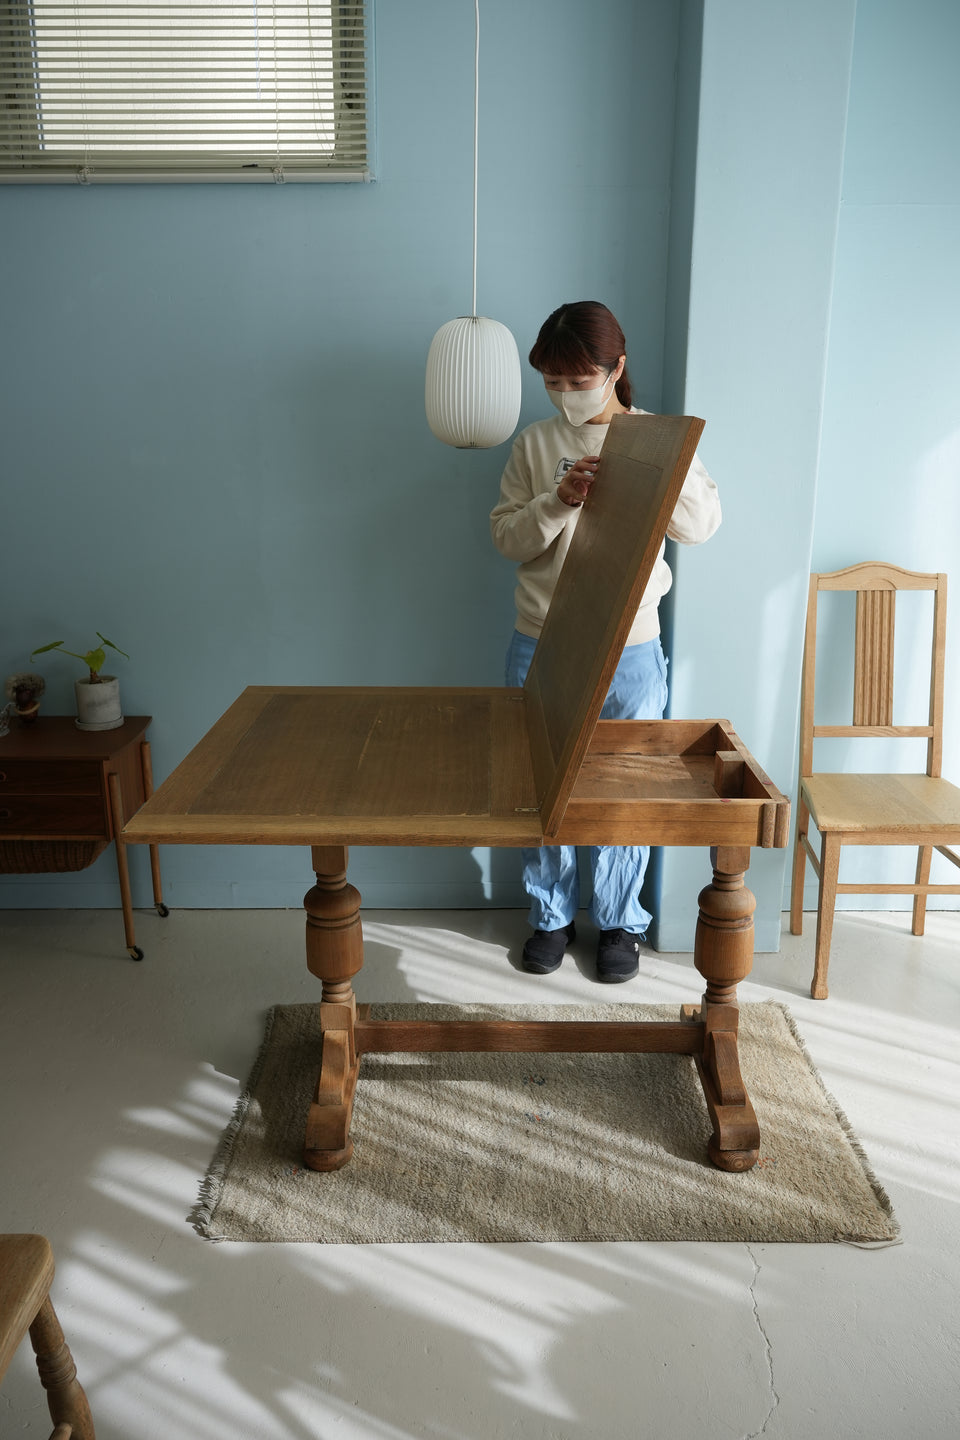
column 26, row 1274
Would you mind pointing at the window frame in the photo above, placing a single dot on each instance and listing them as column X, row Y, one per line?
column 352, row 35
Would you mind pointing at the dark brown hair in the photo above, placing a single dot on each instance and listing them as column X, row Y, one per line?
column 581, row 336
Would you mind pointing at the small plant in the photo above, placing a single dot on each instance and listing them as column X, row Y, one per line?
column 94, row 659
column 25, row 691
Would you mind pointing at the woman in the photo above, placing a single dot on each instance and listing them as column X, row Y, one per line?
column 581, row 354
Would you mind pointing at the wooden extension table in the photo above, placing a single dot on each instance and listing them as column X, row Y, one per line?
column 332, row 767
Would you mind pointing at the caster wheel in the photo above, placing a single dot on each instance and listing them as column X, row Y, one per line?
column 135, row 952
column 162, row 911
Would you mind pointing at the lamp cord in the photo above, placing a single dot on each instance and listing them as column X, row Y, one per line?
column 476, row 133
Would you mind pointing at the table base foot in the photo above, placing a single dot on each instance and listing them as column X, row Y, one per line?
column 327, row 1144
column 327, row 1160
column 735, row 1142
column 732, row 1160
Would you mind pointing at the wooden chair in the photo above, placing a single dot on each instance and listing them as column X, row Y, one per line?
column 26, row 1273
column 872, row 809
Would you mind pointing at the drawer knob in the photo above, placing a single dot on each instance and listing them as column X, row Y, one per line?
column 6, row 814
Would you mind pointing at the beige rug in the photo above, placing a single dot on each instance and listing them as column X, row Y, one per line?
column 523, row 1147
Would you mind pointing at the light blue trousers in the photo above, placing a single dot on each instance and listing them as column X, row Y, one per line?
column 551, row 874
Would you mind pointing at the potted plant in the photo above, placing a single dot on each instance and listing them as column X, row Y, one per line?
column 25, row 691
column 98, row 696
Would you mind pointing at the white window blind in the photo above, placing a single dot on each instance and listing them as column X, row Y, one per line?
column 195, row 89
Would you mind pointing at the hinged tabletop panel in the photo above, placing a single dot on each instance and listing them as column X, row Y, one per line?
column 643, row 464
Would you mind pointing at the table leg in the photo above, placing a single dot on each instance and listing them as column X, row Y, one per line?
column 123, row 870
column 723, row 953
column 334, row 955
column 146, row 771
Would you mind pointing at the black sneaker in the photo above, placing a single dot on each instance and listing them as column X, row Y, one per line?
column 618, row 956
column 543, row 952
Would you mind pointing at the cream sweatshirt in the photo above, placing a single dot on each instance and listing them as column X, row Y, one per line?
column 531, row 526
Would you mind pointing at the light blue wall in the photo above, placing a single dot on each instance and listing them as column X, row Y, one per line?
column 771, row 109
column 214, row 444
column 215, row 451
column 890, row 467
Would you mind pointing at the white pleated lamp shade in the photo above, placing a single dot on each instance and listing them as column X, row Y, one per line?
column 473, row 383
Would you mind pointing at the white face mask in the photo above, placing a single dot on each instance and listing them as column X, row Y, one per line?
column 579, row 406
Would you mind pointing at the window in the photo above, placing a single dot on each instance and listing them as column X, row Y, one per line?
column 192, row 89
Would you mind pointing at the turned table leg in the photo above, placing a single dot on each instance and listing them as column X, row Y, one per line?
column 723, row 953
column 334, row 955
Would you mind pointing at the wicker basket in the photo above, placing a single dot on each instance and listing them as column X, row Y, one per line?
column 37, row 857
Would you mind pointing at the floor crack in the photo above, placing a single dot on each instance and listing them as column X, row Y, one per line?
column 774, row 1398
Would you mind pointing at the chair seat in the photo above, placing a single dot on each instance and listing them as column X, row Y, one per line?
column 912, row 808
column 26, row 1271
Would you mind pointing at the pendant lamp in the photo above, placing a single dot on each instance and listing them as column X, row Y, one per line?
column 473, row 367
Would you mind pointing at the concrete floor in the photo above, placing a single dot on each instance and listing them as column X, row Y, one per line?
column 117, row 1079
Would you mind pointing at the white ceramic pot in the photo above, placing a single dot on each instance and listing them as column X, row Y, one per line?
column 98, row 706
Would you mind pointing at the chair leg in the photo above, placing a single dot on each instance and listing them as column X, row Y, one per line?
column 58, row 1374
column 924, row 856
column 799, row 868
column 826, row 904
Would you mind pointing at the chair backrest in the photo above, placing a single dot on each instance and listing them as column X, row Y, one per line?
column 876, row 586
column 643, row 464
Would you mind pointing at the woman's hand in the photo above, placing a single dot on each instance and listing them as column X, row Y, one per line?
column 575, row 485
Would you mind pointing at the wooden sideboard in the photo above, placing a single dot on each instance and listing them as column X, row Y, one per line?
column 66, row 793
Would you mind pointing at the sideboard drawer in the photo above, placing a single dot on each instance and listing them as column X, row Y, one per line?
column 49, row 777
column 50, row 815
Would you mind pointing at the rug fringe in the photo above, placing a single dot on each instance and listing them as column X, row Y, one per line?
column 211, row 1186
column 882, row 1198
